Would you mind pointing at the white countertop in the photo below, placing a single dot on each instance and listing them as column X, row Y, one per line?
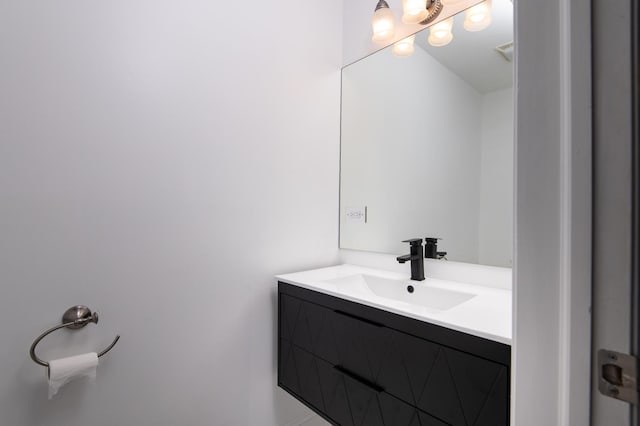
column 487, row 315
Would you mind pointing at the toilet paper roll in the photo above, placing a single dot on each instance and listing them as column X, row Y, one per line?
column 64, row 370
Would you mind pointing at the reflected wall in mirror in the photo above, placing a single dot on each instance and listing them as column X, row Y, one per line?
column 427, row 145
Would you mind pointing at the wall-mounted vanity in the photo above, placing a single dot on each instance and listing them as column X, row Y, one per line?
column 357, row 348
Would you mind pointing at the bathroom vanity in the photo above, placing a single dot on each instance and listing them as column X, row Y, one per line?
column 359, row 347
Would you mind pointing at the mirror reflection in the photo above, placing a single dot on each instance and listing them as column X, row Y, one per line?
column 427, row 143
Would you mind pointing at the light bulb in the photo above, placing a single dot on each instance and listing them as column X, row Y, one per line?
column 414, row 11
column 478, row 17
column 382, row 22
column 440, row 33
column 404, row 47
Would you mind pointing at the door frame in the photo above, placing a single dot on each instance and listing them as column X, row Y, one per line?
column 552, row 245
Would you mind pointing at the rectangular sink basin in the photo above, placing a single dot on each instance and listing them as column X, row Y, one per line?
column 397, row 290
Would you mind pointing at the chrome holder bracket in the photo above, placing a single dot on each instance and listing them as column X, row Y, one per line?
column 74, row 318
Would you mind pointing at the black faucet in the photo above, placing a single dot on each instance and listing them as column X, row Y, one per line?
column 431, row 249
column 416, row 258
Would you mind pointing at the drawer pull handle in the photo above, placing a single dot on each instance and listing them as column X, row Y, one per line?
column 358, row 379
column 375, row 324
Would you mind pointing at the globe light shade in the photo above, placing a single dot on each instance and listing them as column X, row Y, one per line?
column 440, row 34
column 404, row 47
column 478, row 17
column 382, row 24
column 414, row 11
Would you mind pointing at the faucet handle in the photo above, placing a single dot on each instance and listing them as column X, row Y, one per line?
column 431, row 248
column 413, row 241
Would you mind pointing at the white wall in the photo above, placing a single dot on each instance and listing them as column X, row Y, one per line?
column 495, row 241
column 405, row 156
column 159, row 162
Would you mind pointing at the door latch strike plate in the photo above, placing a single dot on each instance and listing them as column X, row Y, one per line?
column 617, row 375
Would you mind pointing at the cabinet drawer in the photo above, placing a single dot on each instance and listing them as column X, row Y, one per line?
column 341, row 396
column 339, row 338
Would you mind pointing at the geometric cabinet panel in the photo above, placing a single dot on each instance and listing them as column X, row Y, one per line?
column 460, row 386
column 357, row 371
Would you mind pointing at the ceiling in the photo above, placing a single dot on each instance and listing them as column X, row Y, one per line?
column 472, row 55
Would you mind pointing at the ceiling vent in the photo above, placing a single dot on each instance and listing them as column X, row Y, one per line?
column 506, row 51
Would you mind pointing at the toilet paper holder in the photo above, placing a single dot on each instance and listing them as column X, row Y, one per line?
column 73, row 318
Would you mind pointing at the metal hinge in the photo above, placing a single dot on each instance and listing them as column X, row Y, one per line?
column 618, row 375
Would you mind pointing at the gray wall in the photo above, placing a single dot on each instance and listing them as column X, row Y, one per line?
column 159, row 162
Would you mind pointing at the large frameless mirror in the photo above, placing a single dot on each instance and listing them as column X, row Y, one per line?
column 427, row 142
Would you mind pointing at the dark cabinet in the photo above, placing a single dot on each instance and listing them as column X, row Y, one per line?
column 357, row 365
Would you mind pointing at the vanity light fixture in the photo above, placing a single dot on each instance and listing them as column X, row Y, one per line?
column 440, row 33
column 478, row 17
column 421, row 12
column 404, row 47
column 382, row 22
